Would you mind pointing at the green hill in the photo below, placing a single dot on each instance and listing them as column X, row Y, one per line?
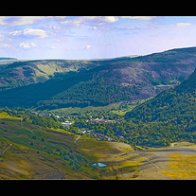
column 96, row 83
column 174, row 105
column 7, row 59
column 173, row 112
column 22, row 73
column 28, row 151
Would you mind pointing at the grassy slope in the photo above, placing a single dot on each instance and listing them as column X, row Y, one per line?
column 21, row 73
column 119, row 109
column 25, row 161
column 82, row 111
column 181, row 166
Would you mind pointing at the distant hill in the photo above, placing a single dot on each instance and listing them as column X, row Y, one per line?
column 22, row 73
column 60, row 83
column 5, row 58
column 5, row 61
column 174, row 105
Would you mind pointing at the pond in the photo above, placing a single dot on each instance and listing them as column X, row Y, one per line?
column 99, row 165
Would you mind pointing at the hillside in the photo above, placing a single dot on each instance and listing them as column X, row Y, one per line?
column 28, row 151
column 7, row 59
column 22, row 73
column 175, row 105
column 4, row 61
column 96, row 83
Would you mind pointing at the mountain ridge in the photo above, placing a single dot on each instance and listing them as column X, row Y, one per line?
column 96, row 82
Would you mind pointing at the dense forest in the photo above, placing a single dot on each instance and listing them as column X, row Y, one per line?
column 174, row 105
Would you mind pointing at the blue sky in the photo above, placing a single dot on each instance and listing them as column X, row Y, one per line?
column 93, row 37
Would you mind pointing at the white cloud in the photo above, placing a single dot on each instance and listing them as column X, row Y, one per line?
column 53, row 47
column 87, row 47
column 77, row 21
column 30, row 32
column 2, row 20
column 110, row 19
column 183, row 24
column 139, row 17
column 35, row 32
column 100, row 20
column 60, row 17
column 16, row 33
column 27, row 45
column 26, row 20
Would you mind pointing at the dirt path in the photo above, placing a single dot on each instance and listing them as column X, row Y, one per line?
column 77, row 139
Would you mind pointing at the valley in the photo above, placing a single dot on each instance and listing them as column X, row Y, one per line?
column 53, row 84
column 115, row 119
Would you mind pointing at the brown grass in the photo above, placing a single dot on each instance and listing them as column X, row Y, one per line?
column 181, row 167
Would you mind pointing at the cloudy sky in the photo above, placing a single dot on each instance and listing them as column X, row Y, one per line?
column 92, row 37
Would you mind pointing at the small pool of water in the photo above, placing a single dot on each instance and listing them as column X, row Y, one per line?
column 99, row 165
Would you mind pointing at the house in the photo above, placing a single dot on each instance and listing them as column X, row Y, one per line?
column 66, row 123
column 101, row 120
column 109, row 139
column 44, row 114
column 57, row 116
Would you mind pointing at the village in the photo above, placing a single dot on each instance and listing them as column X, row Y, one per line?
column 67, row 123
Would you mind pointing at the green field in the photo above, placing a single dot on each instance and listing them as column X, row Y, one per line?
column 111, row 110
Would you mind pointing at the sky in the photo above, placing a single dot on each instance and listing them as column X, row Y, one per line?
column 93, row 37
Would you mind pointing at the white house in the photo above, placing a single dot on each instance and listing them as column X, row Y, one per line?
column 66, row 123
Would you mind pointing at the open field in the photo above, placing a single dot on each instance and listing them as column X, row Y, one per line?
column 170, row 163
column 154, row 163
column 5, row 115
column 120, row 109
